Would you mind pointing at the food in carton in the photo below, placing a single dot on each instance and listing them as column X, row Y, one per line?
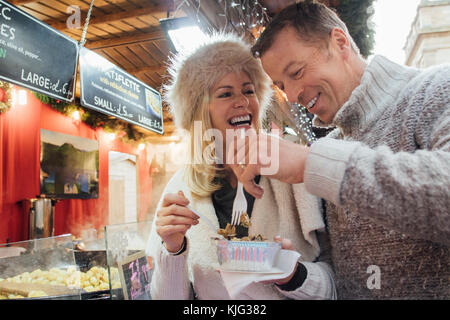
column 252, row 253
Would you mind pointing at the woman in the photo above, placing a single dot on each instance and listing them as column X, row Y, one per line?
column 214, row 89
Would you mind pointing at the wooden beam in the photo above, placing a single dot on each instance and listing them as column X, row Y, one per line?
column 21, row 2
column 157, row 68
column 123, row 41
column 110, row 17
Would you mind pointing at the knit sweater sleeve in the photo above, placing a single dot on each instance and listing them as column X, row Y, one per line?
column 404, row 191
column 170, row 278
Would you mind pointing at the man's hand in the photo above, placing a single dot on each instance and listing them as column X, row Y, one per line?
column 266, row 155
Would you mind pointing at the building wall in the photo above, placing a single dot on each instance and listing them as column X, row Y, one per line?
column 429, row 40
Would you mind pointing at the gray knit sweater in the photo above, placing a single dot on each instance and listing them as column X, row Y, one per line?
column 385, row 176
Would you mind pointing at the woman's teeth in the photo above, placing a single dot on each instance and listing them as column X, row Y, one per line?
column 236, row 121
column 312, row 102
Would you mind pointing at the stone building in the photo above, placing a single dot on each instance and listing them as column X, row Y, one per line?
column 428, row 42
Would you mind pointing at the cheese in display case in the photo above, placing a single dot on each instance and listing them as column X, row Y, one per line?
column 39, row 268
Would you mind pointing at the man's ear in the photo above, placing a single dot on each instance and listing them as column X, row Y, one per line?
column 340, row 41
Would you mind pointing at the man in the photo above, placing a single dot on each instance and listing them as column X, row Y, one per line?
column 384, row 172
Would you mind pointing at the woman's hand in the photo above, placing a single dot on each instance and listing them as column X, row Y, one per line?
column 173, row 219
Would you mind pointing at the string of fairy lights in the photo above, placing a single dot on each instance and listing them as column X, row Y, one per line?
column 303, row 124
column 241, row 16
column 245, row 16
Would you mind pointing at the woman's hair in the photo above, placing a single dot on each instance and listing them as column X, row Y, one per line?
column 312, row 20
column 193, row 75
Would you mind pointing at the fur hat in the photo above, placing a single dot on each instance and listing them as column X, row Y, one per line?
column 194, row 73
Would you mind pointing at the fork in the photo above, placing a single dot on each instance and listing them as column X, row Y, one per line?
column 239, row 205
column 208, row 222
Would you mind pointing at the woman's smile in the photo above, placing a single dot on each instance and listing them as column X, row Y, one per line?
column 234, row 104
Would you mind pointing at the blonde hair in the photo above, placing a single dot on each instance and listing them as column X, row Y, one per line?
column 200, row 172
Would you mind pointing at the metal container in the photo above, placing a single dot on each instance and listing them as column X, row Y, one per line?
column 41, row 218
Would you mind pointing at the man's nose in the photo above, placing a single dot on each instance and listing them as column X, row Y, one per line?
column 293, row 93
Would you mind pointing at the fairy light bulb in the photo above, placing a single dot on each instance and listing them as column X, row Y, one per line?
column 76, row 115
column 111, row 136
column 22, row 97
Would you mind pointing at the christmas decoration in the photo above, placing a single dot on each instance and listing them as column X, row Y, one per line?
column 303, row 123
column 245, row 16
column 124, row 130
column 6, row 96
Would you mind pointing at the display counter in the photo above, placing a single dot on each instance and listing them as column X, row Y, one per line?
column 60, row 268
column 40, row 268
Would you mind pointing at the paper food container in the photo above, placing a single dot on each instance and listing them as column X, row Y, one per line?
column 247, row 255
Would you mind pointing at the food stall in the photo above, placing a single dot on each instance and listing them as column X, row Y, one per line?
column 99, row 91
column 64, row 111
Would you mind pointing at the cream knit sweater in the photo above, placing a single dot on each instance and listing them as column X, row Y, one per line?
column 285, row 210
column 385, row 173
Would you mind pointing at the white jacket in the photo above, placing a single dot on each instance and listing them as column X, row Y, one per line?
column 285, row 210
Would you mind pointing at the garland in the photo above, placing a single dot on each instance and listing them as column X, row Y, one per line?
column 303, row 123
column 94, row 119
column 6, row 104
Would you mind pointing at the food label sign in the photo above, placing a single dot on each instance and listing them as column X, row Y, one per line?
column 134, row 272
column 110, row 90
column 36, row 56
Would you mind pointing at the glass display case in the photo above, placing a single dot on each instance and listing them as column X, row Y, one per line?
column 40, row 269
column 111, row 265
column 130, row 269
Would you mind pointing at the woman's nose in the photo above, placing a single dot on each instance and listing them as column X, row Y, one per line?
column 241, row 101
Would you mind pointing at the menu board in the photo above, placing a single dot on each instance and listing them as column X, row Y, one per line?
column 134, row 274
column 110, row 90
column 36, row 56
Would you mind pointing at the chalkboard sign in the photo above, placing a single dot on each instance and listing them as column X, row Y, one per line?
column 134, row 273
column 36, row 56
column 108, row 89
